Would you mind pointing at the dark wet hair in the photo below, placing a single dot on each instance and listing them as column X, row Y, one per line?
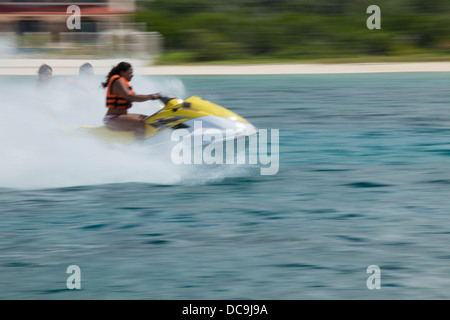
column 44, row 68
column 121, row 67
column 85, row 67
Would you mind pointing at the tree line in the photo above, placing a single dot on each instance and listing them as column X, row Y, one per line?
column 210, row 30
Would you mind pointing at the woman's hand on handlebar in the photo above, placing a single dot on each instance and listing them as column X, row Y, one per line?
column 155, row 96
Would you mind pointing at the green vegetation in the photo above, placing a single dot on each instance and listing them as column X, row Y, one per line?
column 298, row 30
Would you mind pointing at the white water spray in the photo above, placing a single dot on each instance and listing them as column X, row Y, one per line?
column 35, row 152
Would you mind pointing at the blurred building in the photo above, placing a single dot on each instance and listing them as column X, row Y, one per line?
column 106, row 25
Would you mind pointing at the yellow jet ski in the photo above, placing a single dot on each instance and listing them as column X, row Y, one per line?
column 194, row 116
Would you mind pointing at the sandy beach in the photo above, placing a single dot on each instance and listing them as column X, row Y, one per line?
column 273, row 69
column 102, row 66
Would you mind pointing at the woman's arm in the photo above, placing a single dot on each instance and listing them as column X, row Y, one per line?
column 120, row 89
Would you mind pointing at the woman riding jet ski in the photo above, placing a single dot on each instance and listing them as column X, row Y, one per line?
column 194, row 115
column 119, row 97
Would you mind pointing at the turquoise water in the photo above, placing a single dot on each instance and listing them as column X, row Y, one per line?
column 363, row 180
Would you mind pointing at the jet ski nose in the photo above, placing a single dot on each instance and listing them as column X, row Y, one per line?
column 244, row 129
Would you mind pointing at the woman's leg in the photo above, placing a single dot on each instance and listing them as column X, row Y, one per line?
column 128, row 122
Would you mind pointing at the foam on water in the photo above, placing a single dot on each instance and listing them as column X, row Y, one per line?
column 37, row 153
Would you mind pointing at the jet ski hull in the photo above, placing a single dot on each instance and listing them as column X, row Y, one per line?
column 194, row 116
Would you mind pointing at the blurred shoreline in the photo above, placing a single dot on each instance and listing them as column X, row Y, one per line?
column 102, row 66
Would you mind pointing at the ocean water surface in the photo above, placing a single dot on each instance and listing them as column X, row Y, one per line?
column 363, row 180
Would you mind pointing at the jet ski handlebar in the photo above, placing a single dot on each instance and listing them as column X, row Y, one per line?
column 165, row 99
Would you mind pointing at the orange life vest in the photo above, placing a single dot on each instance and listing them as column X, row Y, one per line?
column 115, row 100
